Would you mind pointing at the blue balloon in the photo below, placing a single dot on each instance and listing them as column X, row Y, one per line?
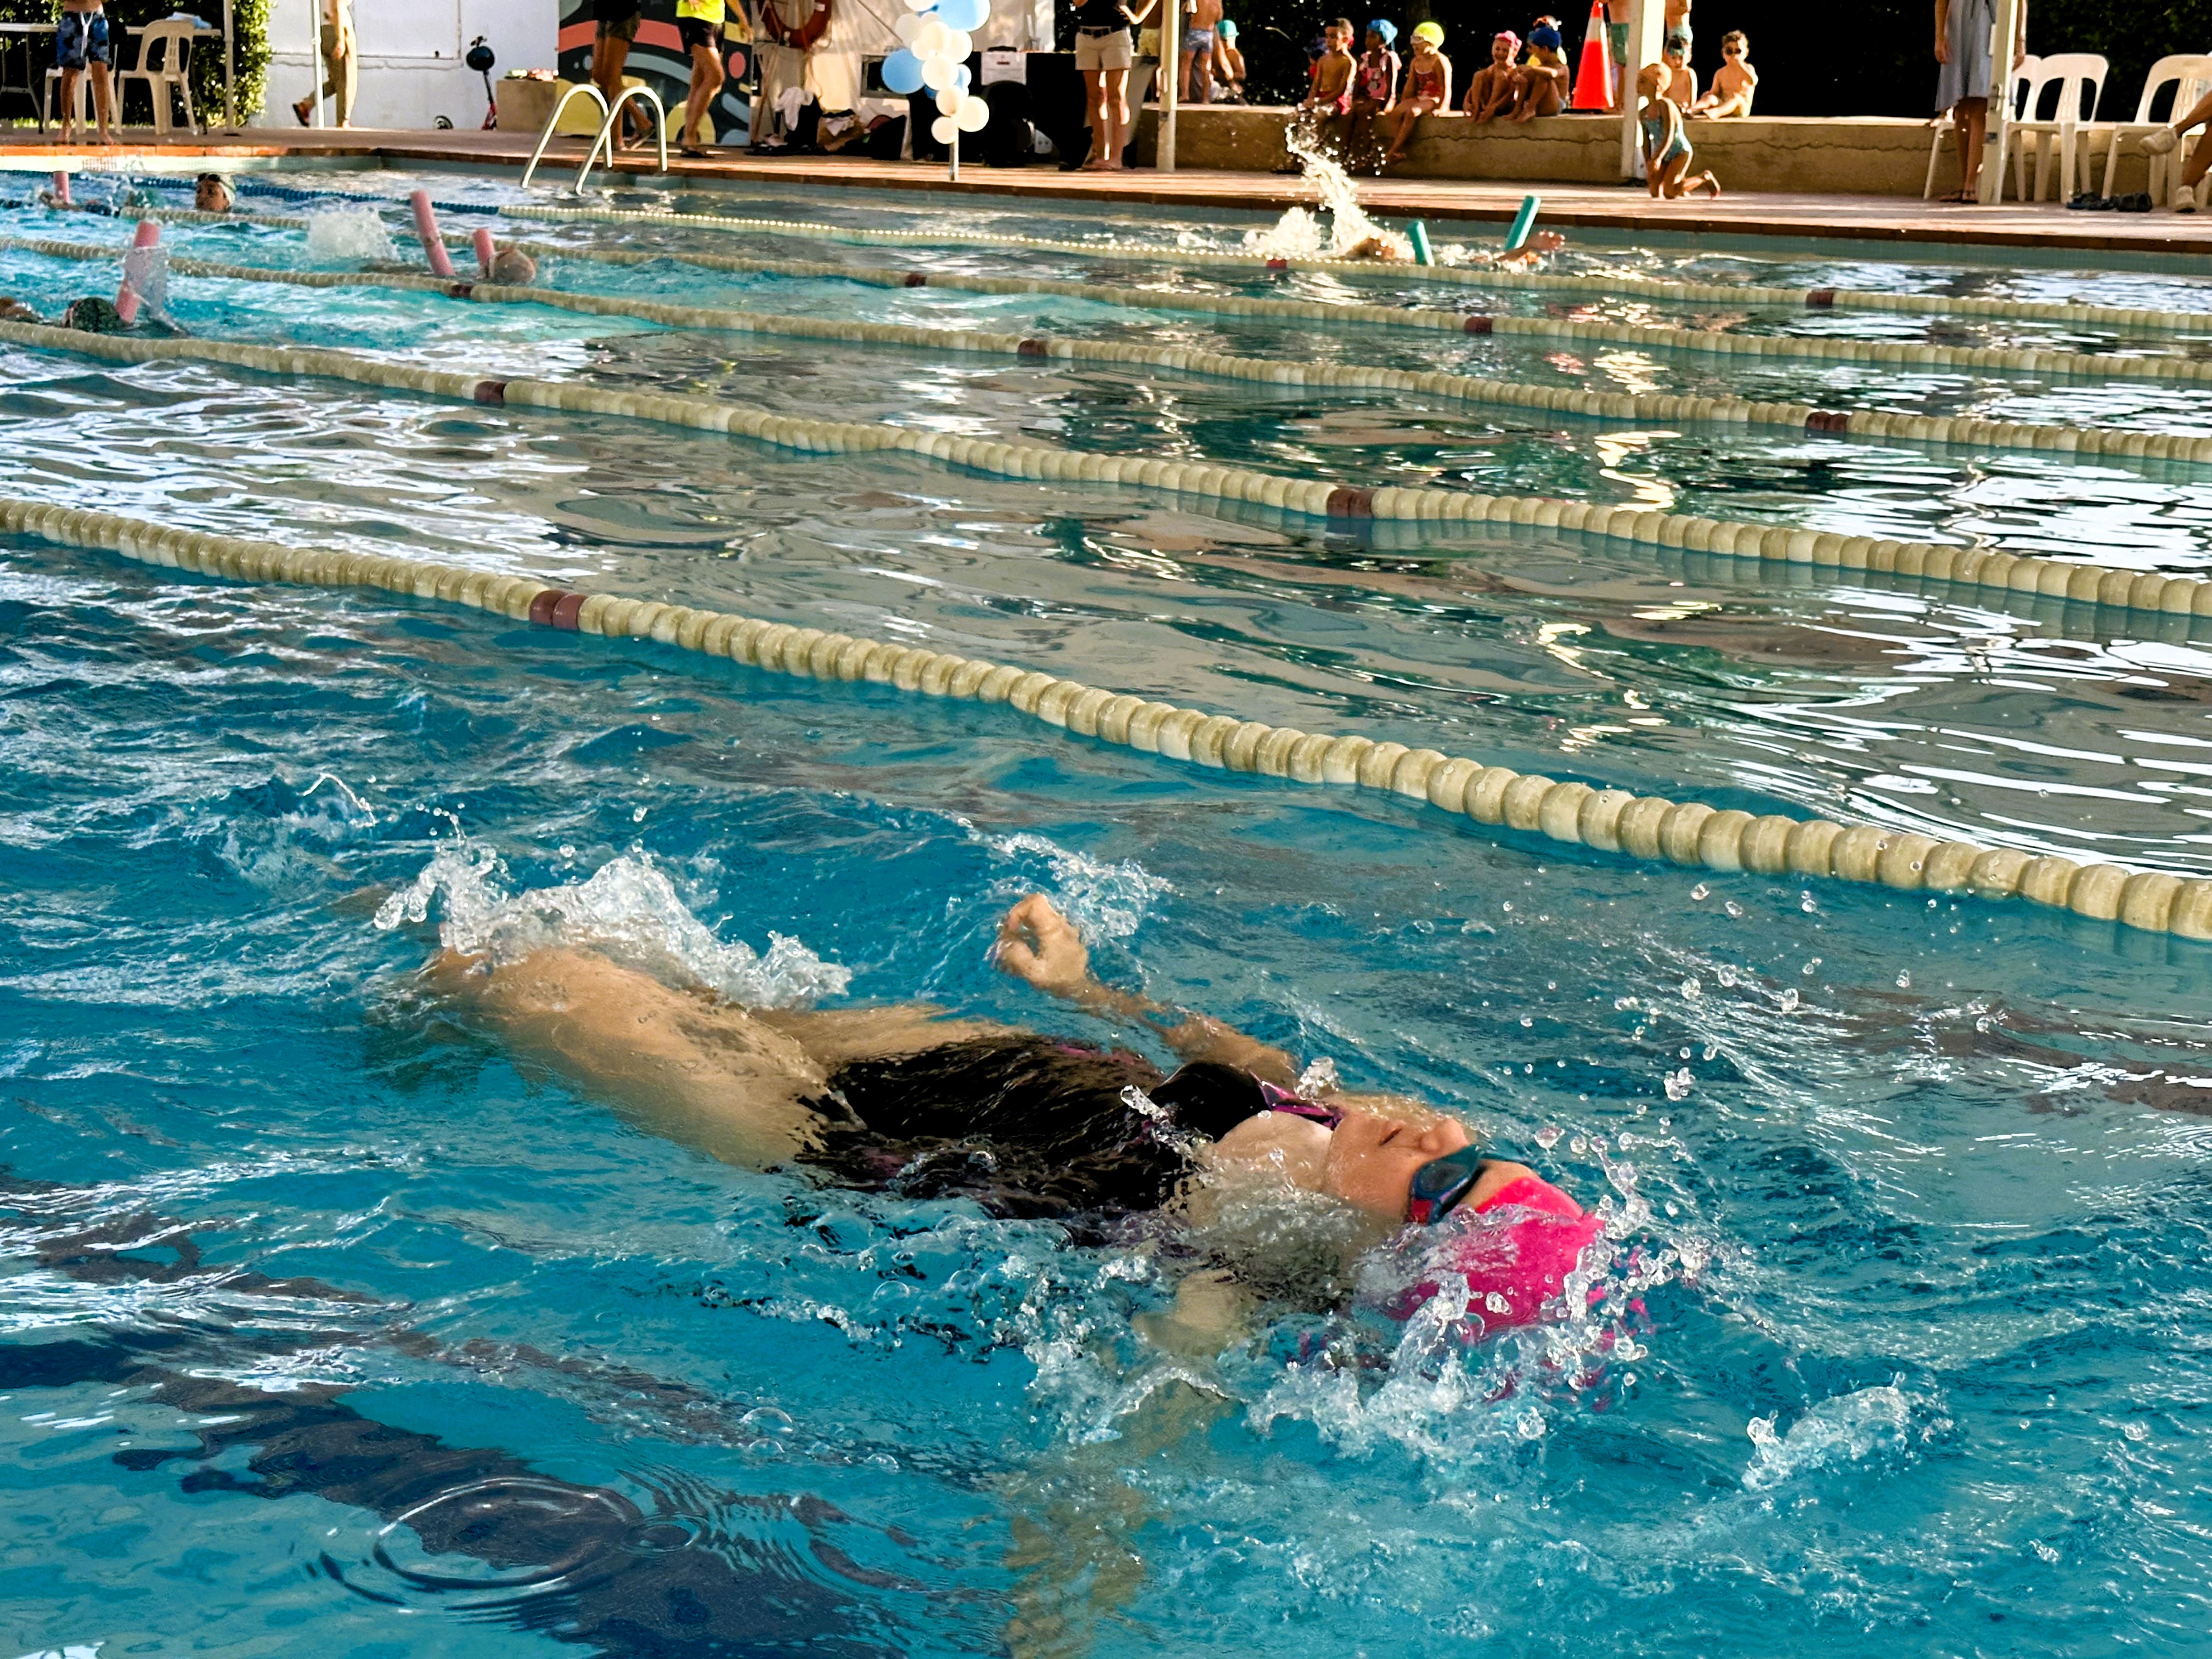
column 966, row 15
column 964, row 78
column 903, row 71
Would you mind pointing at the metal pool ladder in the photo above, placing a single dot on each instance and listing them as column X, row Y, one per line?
column 608, row 119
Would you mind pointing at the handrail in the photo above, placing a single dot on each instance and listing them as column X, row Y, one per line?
column 614, row 117
column 583, row 87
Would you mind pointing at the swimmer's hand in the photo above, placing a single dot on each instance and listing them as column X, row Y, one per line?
column 1037, row 943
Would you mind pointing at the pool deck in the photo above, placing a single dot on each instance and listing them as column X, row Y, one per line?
column 1620, row 209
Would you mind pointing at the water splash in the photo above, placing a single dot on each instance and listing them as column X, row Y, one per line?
column 348, row 232
column 1104, row 901
column 1847, row 1429
column 1299, row 235
column 627, row 909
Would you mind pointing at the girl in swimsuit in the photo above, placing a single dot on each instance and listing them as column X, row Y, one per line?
column 1667, row 149
column 1428, row 87
column 902, row 1099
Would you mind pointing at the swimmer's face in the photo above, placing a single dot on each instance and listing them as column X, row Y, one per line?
column 1501, row 52
column 212, row 196
column 1373, row 1155
column 1368, row 1160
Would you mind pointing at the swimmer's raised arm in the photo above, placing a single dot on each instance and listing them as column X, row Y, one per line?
column 1037, row 943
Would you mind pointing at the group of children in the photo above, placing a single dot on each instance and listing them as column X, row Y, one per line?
column 1376, row 99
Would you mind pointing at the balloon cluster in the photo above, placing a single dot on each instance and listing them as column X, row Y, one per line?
column 936, row 34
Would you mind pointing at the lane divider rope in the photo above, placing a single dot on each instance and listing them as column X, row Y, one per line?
column 1862, row 555
column 1646, row 827
column 1608, row 284
column 1670, row 408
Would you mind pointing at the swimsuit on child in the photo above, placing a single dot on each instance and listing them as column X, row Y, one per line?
column 81, row 38
column 1515, row 1249
column 1654, row 123
column 1378, row 75
column 1423, row 83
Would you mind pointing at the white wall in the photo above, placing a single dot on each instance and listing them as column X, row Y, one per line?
column 410, row 57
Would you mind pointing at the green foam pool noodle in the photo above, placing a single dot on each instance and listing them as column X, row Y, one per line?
column 1419, row 232
column 1523, row 222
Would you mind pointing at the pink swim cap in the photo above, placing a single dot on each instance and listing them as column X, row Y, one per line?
column 1512, row 41
column 1515, row 1252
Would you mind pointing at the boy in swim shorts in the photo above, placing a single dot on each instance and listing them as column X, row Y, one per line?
column 80, row 44
column 1734, row 82
column 1328, row 89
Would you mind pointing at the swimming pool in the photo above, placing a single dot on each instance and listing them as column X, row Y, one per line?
column 330, row 1325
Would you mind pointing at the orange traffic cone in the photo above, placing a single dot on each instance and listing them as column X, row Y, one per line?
column 1594, row 81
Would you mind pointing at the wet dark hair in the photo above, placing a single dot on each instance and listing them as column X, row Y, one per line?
column 1021, row 1125
column 1208, row 1098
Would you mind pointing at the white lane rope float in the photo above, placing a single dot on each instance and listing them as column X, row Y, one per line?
column 1862, row 557
column 1608, row 284
column 1646, row 827
column 1668, row 408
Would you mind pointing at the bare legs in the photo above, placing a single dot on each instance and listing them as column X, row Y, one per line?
column 103, row 102
column 1106, row 99
column 706, row 77
column 609, row 53
column 1970, row 116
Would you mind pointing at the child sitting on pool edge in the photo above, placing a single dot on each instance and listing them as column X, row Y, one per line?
column 1541, row 83
column 1427, row 89
column 1734, row 82
column 1681, row 79
column 1490, row 90
column 1667, row 151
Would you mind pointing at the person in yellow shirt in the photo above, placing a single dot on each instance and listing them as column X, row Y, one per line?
column 699, row 24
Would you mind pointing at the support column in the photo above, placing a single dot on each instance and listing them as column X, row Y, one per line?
column 1170, row 83
column 1647, row 22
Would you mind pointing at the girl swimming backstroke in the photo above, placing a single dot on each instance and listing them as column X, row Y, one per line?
column 906, row 1100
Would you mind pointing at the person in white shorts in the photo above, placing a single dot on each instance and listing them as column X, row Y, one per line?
column 1104, row 53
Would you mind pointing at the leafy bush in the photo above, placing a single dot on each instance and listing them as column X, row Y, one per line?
column 249, row 17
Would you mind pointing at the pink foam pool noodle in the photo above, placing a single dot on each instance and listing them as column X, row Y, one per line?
column 126, row 297
column 61, row 190
column 426, row 227
column 486, row 253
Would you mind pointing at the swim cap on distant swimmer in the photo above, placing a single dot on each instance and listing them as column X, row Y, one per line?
column 93, row 315
column 1546, row 36
column 1386, row 28
column 1512, row 41
column 1433, row 32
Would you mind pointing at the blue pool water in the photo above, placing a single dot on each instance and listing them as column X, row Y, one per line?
column 332, row 1326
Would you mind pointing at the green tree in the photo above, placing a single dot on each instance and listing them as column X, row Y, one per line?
column 249, row 17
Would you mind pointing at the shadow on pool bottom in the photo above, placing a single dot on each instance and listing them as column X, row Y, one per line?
column 474, row 1530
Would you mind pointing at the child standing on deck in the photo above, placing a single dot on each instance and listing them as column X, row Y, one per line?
column 699, row 26
column 80, row 44
column 1733, row 84
column 1666, row 152
column 1228, row 63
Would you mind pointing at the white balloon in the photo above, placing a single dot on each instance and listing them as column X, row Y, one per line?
column 944, row 130
column 932, row 40
column 941, row 75
column 906, row 26
column 973, row 115
column 959, row 44
column 950, row 100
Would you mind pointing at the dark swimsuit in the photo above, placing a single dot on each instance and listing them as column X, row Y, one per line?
column 1024, row 1126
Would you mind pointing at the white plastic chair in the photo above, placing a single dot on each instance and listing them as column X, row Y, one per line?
column 2023, row 79
column 2190, row 77
column 165, row 63
column 2079, row 78
column 84, row 99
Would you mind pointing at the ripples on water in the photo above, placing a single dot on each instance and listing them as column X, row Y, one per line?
column 1908, row 1198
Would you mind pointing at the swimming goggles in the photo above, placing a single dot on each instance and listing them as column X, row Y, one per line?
column 1438, row 1186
